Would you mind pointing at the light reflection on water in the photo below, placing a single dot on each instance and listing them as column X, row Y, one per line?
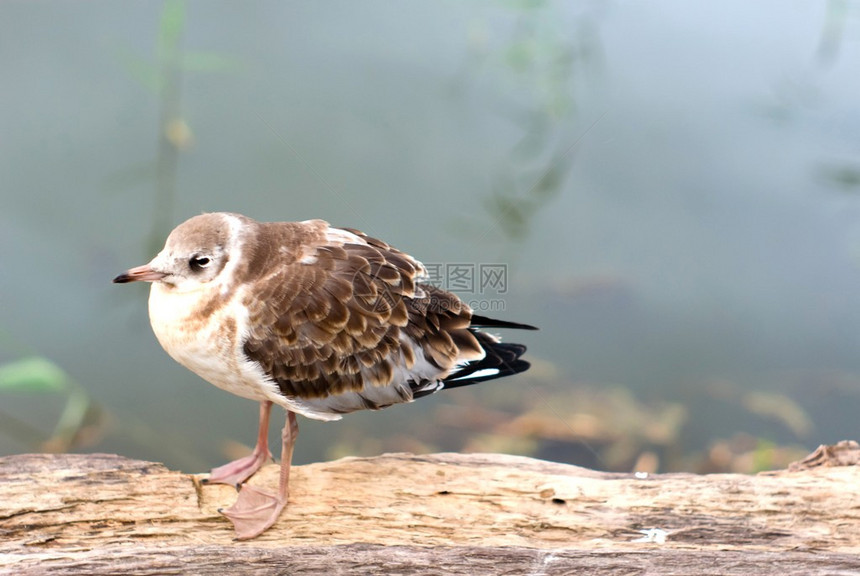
column 673, row 192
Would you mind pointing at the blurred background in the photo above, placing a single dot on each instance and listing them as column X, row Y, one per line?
column 671, row 191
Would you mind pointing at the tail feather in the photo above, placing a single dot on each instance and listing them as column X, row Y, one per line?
column 500, row 359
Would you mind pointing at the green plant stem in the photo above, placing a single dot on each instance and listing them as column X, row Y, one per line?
column 167, row 160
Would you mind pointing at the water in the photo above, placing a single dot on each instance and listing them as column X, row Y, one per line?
column 672, row 189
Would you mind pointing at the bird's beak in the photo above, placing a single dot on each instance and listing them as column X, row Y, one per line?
column 143, row 273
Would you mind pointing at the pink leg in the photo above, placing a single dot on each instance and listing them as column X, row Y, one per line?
column 240, row 470
column 256, row 510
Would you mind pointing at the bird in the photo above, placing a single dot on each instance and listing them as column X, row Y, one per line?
column 318, row 319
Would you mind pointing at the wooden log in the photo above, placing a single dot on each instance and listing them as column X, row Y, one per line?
column 441, row 514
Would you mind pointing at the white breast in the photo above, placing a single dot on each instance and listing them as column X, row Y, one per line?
column 206, row 346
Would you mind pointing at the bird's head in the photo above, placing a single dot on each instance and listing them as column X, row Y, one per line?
column 195, row 254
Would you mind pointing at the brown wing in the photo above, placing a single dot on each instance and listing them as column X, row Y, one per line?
column 331, row 317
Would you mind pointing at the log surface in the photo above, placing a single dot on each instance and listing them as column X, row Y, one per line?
column 440, row 514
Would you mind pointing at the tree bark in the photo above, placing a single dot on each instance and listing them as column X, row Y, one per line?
column 441, row 514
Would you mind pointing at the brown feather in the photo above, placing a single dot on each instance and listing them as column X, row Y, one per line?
column 329, row 315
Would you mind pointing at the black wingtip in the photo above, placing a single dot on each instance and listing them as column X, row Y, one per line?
column 501, row 359
column 484, row 322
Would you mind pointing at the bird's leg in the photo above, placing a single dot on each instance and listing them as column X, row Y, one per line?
column 256, row 510
column 240, row 470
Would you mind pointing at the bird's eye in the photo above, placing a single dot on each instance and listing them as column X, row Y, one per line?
column 198, row 263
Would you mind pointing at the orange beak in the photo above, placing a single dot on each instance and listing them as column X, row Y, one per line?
column 140, row 274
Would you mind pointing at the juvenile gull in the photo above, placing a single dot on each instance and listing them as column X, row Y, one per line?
column 320, row 320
